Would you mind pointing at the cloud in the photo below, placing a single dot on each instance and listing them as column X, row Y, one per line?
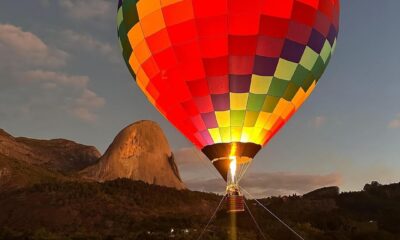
column 318, row 121
column 189, row 156
column 271, row 183
column 86, row 42
column 87, row 9
column 395, row 123
column 18, row 47
column 84, row 101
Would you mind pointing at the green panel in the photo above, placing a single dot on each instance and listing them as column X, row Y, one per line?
column 270, row 104
column 299, row 75
column 255, row 102
column 120, row 17
column 290, row 92
column 278, row 87
column 251, row 118
column 318, row 68
column 237, row 118
column 131, row 16
column 307, row 82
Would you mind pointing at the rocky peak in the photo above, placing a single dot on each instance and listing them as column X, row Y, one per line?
column 139, row 152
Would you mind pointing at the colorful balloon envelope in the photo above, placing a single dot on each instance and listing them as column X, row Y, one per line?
column 228, row 73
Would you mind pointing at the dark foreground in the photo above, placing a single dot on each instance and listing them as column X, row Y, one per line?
column 124, row 209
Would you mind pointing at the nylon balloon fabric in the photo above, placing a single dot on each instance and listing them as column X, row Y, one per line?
column 228, row 73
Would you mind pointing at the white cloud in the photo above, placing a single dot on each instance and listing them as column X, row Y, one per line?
column 395, row 123
column 319, row 121
column 87, row 9
column 84, row 102
column 54, row 79
column 86, row 42
column 18, row 47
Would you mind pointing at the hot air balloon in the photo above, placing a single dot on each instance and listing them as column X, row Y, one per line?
column 228, row 73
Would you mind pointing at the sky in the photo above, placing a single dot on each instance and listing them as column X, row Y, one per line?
column 62, row 76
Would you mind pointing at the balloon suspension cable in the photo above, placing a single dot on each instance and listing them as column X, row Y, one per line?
column 274, row 215
column 254, row 220
column 212, row 217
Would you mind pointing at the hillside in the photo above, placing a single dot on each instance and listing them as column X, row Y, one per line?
column 60, row 155
column 125, row 209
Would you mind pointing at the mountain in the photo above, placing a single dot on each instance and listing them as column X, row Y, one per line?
column 126, row 209
column 57, row 154
column 139, row 152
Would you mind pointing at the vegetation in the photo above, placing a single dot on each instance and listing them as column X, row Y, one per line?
column 125, row 209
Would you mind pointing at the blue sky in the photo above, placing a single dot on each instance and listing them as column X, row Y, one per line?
column 61, row 75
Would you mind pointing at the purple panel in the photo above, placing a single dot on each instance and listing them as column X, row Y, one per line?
column 239, row 83
column 221, row 102
column 119, row 3
column 292, row 51
column 332, row 35
column 316, row 41
column 206, row 136
column 209, row 119
column 265, row 66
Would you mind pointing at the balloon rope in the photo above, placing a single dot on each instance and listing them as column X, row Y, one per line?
column 212, row 217
column 276, row 217
column 254, row 220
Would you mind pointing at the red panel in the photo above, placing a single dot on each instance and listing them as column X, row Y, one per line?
column 192, row 70
column 304, row 13
column 269, row 46
column 198, row 88
column 204, row 104
column 299, row 32
column 158, row 41
column 182, row 32
column 150, row 68
column 218, row 85
column 190, row 108
column 216, row 66
column 198, row 123
column 273, row 27
column 242, row 45
column 166, row 59
column 241, row 65
column 212, row 26
column 312, row 3
column 214, row 46
column 187, row 50
column 244, row 7
column 322, row 24
column 327, row 8
column 244, row 24
column 208, row 8
column 178, row 12
column 281, row 8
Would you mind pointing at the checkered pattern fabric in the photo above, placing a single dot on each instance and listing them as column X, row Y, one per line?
column 226, row 71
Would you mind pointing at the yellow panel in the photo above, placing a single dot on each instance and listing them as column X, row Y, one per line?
column 238, row 101
column 260, row 84
column 236, row 133
column 152, row 23
column 262, row 119
column 285, row 69
column 246, row 134
column 145, row 7
column 215, row 135
column 309, row 58
column 223, row 118
column 258, row 135
column 225, row 133
column 250, row 118
column 135, row 35
column 299, row 98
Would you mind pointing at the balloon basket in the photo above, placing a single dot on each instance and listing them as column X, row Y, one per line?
column 235, row 203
